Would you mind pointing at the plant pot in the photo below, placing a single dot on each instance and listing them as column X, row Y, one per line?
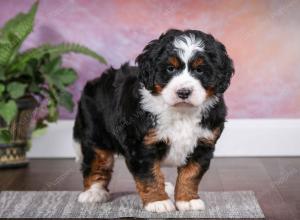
column 14, row 153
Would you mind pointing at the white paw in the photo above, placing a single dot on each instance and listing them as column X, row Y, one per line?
column 169, row 188
column 94, row 194
column 194, row 204
column 160, row 206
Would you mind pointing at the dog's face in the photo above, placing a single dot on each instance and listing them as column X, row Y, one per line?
column 185, row 67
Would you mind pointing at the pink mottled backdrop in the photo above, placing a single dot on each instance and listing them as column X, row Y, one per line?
column 262, row 37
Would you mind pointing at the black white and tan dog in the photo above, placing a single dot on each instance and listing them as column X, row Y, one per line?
column 169, row 109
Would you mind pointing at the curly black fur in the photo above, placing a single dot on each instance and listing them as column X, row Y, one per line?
column 110, row 115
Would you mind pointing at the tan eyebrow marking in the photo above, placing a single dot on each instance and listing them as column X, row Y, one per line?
column 197, row 62
column 174, row 61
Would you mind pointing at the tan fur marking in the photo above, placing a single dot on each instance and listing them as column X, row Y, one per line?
column 217, row 133
column 157, row 88
column 174, row 62
column 211, row 141
column 101, row 169
column 154, row 190
column 206, row 141
column 210, row 92
column 197, row 62
column 188, row 179
column 151, row 137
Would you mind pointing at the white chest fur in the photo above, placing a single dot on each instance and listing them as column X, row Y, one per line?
column 181, row 128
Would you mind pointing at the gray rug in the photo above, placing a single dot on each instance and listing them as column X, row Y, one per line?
column 63, row 204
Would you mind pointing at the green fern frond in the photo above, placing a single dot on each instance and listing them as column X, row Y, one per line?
column 54, row 50
column 13, row 34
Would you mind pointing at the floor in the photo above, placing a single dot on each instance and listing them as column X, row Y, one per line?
column 276, row 181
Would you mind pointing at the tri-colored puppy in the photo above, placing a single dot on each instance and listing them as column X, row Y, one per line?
column 167, row 110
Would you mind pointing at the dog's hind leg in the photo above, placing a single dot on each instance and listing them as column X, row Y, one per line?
column 97, row 167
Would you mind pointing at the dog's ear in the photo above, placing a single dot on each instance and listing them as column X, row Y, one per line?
column 223, row 66
column 147, row 63
column 147, row 60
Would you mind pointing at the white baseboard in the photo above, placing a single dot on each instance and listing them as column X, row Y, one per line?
column 241, row 137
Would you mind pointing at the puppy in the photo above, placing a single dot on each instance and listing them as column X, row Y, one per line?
column 167, row 110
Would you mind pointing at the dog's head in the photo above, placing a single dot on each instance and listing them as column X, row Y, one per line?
column 185, row 67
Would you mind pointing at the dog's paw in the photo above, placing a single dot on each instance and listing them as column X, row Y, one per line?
column 169, row 188
column 160, row 206
column 94, row 194
column 192, row 205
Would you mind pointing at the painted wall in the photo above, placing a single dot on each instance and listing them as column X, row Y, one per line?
column 262, row 37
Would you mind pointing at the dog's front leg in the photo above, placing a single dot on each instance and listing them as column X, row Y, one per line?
column 150, row 185
column 189, row 177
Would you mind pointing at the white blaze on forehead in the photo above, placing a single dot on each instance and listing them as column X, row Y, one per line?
column 187, row 45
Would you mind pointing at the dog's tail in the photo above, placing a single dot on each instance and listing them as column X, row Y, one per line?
column 77, row 136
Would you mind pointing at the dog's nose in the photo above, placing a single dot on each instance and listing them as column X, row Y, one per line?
column 184, row 93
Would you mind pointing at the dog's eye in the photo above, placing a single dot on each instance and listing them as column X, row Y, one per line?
column 171, row 69
column 199, row 70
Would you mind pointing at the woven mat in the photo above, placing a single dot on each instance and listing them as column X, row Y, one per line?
column 63, row 204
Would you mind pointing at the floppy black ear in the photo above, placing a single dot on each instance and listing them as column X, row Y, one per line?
column 224, row 67
column 147, row 63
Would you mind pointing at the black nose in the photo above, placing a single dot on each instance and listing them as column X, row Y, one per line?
column 184, row 93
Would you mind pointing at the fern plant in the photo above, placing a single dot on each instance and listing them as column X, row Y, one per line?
column 37, row 72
